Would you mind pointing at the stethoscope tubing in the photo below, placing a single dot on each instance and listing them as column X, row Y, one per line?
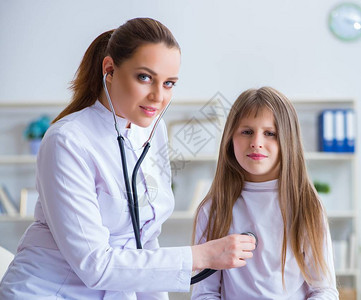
column 134, row 184
column 202, row 275
column 132, row 203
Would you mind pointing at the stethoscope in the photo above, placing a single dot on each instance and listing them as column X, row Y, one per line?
column 132, row 195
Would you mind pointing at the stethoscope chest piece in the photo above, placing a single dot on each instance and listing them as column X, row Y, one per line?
column 249, row 233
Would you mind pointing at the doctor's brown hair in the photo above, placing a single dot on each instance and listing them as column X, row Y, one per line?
column 120, row 44
column 302, row 213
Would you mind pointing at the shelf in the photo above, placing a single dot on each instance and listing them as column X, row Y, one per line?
column 350, row 272
column 308, row 156
column 17, row 159
column 30, row 159
column 182, row 215
column 17, row 218
column 341, row 214
column 32, row 104
column 197, row 158
column 295, row 101
column 329, row 156
column 323, row 101
column 332, row 215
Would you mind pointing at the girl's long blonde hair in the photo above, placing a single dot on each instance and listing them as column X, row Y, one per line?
column 302, row 213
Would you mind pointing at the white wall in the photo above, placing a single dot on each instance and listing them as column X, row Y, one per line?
column 227, row 46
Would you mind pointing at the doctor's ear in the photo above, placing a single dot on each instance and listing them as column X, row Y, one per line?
column 110, row 72
column 108, row 66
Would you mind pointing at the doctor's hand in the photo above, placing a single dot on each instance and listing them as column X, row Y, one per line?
column 224, row 253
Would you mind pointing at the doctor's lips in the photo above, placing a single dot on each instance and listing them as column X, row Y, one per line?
column 256, row 156
column 149, row 110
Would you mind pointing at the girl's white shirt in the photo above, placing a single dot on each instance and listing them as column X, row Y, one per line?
column 82, row 245
column 257, row 210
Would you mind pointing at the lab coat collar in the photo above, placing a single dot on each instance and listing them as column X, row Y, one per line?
column 135, row 135
column 107, row 116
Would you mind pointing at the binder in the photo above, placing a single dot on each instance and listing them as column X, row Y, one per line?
column 7, row 204
column 2, row 209
column 339, row 130
column 352, row 251
column 326, row 129
column 350, row 129
column 340, row 254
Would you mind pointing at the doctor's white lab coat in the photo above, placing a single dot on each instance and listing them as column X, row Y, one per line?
column 81, row 245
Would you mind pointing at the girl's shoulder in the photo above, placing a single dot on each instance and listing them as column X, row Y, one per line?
column 205, row 209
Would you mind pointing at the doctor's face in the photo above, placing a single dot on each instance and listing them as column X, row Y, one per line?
column 141, row 86
column 256, row 147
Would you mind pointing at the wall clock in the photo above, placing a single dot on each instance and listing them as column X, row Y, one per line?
column 344, row 21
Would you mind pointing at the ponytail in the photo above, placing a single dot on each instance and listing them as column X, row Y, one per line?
column 87, row 83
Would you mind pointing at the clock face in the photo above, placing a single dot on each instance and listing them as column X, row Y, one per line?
column 345, row 21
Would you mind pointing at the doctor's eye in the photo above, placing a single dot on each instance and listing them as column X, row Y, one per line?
column 169, row 84
column 144, row 77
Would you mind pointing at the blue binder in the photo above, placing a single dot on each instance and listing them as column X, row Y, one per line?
column 326, row 131
column 350, row 129
column 339, row 130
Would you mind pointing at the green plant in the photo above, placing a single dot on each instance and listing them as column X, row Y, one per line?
column 37, row 128
column 322, row 187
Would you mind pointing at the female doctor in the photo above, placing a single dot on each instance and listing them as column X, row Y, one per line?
column 82, row 245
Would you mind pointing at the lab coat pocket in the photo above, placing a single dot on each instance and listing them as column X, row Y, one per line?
column 115, row 213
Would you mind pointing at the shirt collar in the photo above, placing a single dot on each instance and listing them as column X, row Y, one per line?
column 266, row 185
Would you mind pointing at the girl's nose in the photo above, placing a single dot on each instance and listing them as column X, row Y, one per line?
column 257, row 142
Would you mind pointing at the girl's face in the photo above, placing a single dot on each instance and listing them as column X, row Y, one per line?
column 141, row 87
column 256, row 148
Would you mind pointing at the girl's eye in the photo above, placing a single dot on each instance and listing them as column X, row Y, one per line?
column 144, row 77
column 247, row 132
column 269, row 133
column 169, row 84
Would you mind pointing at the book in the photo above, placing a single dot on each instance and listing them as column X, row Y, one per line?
column 340, row 254
column 326, row 129
column 28, row 200
column 9, row 207
column 2, row 209
column 10, row 197
column 339, row 130
column 352, row 251
column 350, row 125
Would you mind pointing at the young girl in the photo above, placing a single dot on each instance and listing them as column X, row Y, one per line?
column 82, row 245
column 261, row 186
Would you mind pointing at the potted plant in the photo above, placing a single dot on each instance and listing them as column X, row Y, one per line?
column 323, row 189
column 35, row 131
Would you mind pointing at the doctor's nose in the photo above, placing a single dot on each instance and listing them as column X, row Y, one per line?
column 156, row 94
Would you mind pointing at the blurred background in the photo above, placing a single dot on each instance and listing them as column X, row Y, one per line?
column 227, row 47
